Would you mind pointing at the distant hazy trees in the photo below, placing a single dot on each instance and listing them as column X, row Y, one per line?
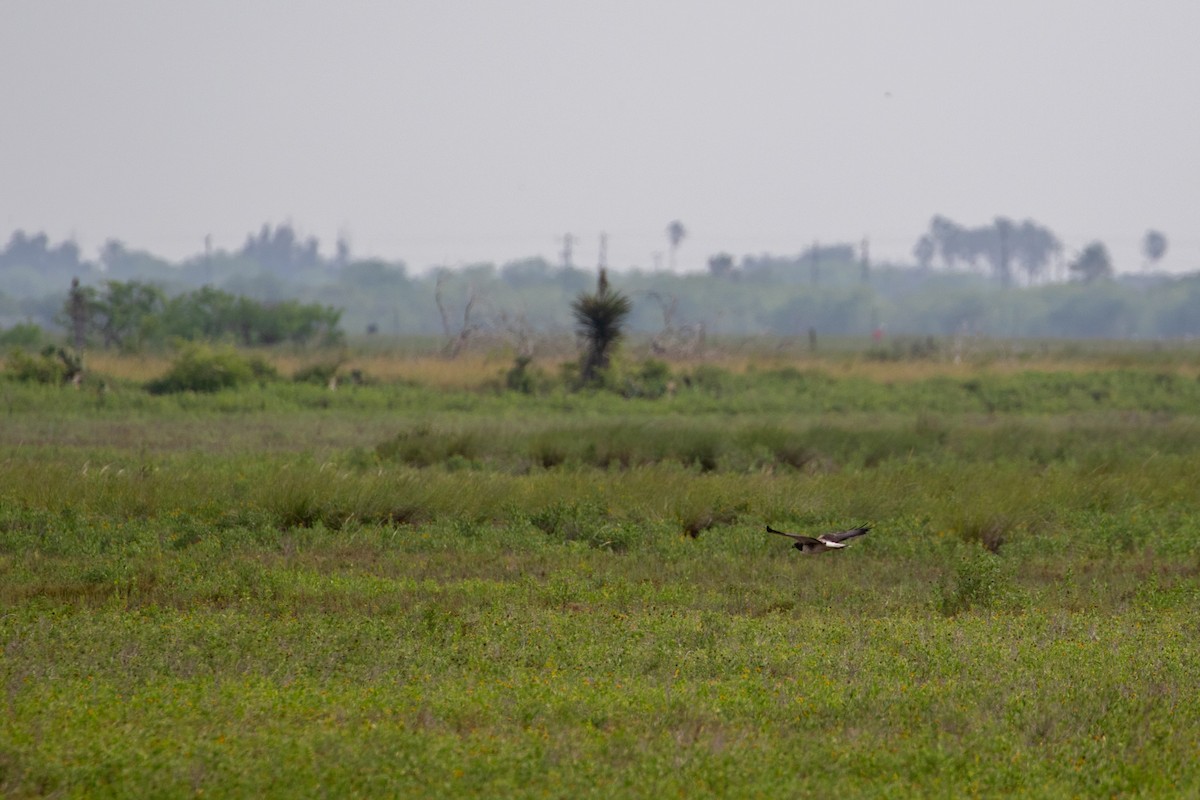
column 129, row 315
column 832, row 255
column 820, row 263
column 135, row 299
column 121, row 263
column 37, row 254
column 924, row 251
column 280, row 250
column 1154, row 247
column 1000, row 246
column 720, row 265
column 1093, row 263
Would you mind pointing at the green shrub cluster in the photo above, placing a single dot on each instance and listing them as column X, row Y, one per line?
column 53, row 366
column 199, row 368
column 979, row 581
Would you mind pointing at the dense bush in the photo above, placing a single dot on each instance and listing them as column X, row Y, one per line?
column 203, row 369
column 53, row 365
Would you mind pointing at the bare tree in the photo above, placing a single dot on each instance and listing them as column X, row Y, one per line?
column 519, row 333
column 675, row 339
column 455, row 340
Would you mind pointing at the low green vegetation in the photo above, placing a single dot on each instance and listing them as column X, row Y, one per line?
column 386, row 589
column 203, row 369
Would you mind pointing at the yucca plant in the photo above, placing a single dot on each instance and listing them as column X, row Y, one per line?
column 599, row 317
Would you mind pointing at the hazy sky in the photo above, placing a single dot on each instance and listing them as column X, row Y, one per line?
column 451, row 132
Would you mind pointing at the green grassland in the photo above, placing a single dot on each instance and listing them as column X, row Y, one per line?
column 407, row 589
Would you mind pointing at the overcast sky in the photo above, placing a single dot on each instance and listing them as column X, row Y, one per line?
column 454, row 132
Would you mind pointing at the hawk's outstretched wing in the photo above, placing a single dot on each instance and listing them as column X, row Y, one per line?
column 841, row 536
column 798, row 537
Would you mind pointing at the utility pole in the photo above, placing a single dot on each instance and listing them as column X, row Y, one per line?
column 864, row 260
column 603, row 251
column 208, row 258
column 1005, row 274
column 568, row 247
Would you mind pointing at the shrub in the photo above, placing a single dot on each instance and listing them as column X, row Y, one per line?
column 902, row 349
column 586, row 522
column 708, row 378
column 519, row 378
column 979, row 582
column 424, row 446
column 651, row 379
column 53, row 366
column 23, row 334
column 319, row 374
column 261, row 369
column 203, row 369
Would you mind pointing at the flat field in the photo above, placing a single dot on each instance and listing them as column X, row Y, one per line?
column 430, row 586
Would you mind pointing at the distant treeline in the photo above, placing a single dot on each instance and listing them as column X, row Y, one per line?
column 1007, row 278
column 131, row 315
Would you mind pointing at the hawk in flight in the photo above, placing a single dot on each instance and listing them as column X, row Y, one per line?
column 823, row 543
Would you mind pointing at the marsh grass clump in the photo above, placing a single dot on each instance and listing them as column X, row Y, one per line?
column 990, row 533
column 587, row 522
column 568, row 520
column 697, row 520
column 979, row 581
column 424, row 446
column 700, row 451
column 764, row 446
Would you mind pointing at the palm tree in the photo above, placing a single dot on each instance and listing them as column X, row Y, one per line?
column 599, row 317
column 675, row 234
column 1154, row 247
